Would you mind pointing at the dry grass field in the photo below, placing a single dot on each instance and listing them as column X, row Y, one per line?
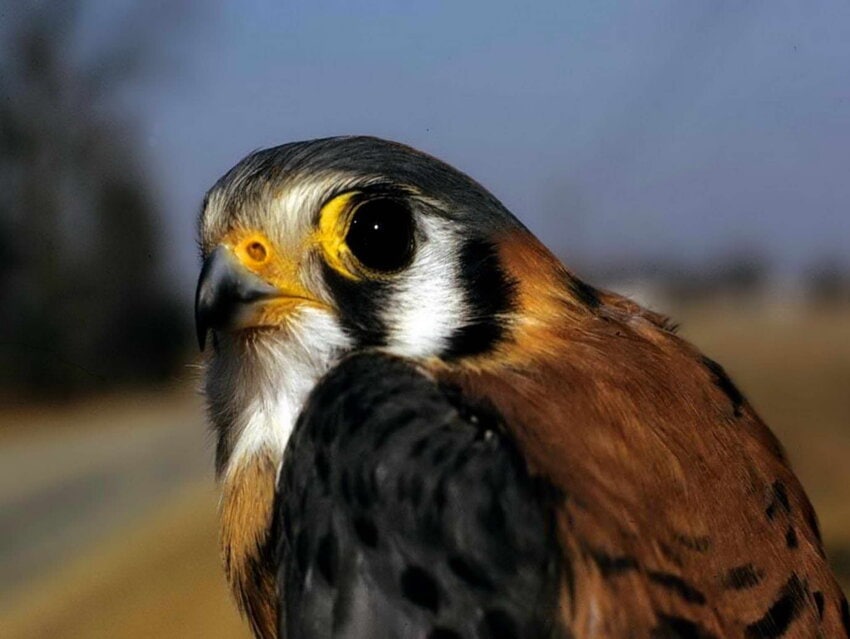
column 160, row 577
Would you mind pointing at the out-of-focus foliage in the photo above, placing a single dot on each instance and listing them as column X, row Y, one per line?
column 84, row 303
column 828, row 282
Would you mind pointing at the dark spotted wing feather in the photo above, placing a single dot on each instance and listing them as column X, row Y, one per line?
column 405, row 512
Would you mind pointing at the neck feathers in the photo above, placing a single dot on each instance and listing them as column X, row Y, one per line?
column 255, row 388
column 247, row 542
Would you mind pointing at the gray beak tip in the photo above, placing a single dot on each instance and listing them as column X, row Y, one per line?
column 225, row 287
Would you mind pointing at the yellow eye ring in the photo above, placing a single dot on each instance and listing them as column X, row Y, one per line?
column 369, row 237
column 334, row 219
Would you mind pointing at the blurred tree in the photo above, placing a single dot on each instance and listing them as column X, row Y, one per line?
column 828, row 282
column 83, row 299
column 742, row 273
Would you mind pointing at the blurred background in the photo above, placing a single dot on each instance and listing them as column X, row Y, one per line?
column 692, row 155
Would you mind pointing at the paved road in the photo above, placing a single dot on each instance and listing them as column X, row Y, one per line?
column 64, row 487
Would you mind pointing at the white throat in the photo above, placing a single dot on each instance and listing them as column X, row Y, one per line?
column 256, row 389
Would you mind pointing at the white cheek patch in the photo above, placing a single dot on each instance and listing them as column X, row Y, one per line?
column 256, row 390
column 426, row 306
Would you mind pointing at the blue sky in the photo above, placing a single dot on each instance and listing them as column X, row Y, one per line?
column 688, row 130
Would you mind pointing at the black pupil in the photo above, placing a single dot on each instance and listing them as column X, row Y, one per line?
column 381, row 235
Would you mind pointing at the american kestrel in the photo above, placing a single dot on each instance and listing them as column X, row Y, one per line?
column 428, row 427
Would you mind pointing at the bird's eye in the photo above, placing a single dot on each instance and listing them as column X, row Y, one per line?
column 380, row 235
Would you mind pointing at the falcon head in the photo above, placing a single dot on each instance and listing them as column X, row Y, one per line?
column 352, row 243
column 315, row 249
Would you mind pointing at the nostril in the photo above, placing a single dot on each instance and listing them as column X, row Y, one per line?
column 256, row 251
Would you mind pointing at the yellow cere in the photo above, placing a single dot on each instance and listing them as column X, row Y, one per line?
column 256, row 253
column 253, row 250
column 330, row 236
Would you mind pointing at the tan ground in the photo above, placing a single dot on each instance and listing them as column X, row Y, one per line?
column 162, row 579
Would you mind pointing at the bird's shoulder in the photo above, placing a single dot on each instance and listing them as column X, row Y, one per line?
column 681, row 515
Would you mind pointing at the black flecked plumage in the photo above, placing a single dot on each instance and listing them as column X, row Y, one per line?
column 407, row 512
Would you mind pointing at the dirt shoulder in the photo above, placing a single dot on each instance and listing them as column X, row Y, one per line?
column 158, row 578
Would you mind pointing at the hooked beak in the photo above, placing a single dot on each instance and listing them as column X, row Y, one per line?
column 227, row 294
